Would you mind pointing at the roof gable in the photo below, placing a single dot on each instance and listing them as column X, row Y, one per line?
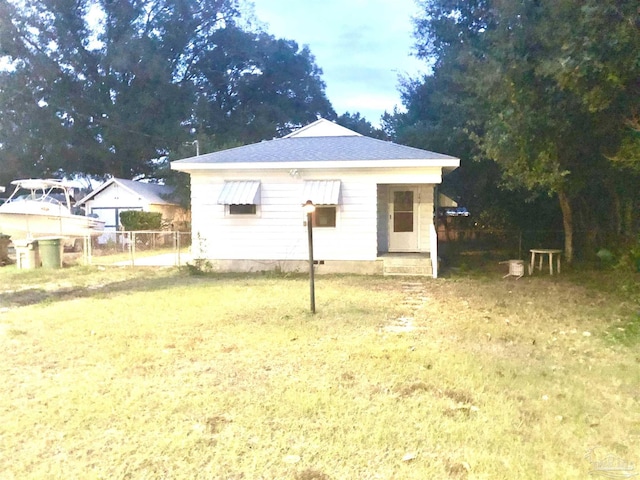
column 151, row 192
column 322, row 128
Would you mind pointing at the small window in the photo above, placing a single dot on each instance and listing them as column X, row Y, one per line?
column 324, row 217
column 247, row 209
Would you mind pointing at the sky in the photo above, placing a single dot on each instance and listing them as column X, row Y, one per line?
column 362, row 47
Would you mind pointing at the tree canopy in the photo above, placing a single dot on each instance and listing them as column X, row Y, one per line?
column 549, row 91
column 101, row 87
column 357, row 123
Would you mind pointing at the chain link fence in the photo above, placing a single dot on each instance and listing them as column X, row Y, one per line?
column 515, row 242
column 173, row 248
column 138, row 248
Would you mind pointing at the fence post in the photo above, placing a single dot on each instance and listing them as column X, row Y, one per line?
column 86, row 250
column 174, row 247
column 520, row 244
column 132, row 248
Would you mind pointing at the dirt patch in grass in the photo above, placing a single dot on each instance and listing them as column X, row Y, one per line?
column 22, row 288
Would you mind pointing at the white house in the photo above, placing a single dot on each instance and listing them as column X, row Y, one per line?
column 119, row 195
column 374, row 203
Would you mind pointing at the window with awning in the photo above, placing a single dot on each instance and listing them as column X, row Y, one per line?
column 325, row 195
column 321, row 192
column 241, row 196
column 244, row 192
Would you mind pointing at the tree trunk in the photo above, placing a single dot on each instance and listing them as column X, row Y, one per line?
column 616, row 216
column 567, row 221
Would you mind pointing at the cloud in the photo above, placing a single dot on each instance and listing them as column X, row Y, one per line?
column 361, row 45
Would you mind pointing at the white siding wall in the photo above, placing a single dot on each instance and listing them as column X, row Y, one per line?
column 278, row 231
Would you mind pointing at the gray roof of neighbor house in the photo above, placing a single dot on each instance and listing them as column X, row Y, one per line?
column 314, row 149
column 152, row 192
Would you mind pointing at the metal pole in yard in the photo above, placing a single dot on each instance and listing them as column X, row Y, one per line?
column 309, row 207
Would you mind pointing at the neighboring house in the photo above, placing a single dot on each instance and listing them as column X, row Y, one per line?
column 374, row 203
column 118, row 195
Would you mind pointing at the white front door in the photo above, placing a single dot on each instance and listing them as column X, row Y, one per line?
column 403, row 220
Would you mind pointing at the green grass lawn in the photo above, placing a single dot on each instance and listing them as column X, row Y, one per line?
column 121, row 373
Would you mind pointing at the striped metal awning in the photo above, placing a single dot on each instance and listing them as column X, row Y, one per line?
column 321, row 192
column 242, row 192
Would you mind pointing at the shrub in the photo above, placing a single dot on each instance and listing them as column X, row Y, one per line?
column 136, row 220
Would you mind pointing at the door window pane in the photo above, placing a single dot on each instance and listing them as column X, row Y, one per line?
column 403, row 201
column 403, row 211
column 403, row 222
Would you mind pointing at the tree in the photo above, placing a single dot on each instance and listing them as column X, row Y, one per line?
column 107, row 98
column 598, row 61
column 256, row 87
column 357, row 123
column 548, row 131
column 104, row 87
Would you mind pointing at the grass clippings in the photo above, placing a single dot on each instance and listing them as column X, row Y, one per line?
column 152, row 373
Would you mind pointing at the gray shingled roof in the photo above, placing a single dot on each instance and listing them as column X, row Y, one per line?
column 317, row 149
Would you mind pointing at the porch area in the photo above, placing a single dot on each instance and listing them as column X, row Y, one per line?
column 406, row 234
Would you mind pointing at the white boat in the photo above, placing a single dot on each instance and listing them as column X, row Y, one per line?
column 43, row 208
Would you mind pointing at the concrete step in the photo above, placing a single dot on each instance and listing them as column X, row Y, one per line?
column 409, row 271
column 407, row 265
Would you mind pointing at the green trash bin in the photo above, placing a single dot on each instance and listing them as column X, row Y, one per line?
column 50, row 252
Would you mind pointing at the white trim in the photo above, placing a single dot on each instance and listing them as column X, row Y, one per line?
column 350, row 164
column 96, row 191
column 434, row 250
